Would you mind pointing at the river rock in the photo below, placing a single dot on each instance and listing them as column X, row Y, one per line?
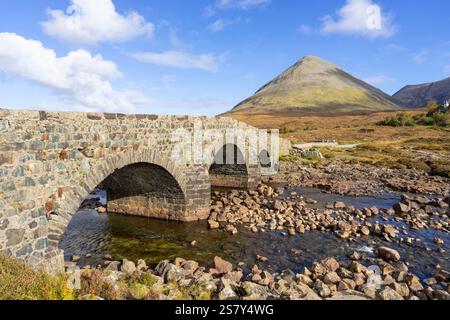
column 390, row 231
column 388, row 254
column 402, row 289
column 231, row 229
column 339, row 205
column 305, row 292
column 254, row 291
column 113, row 266
column 234, row 276
column 331, row 278
column 301, row 278
column 330, row 264
column 190, row 265
column 355, row 256
column 369, row 290
column 101, row 210
column 442, row 276
column 359, row 279
column 389, row 294
column 349, row 295
column 365, row 231
column 401, row 207
column 278, row 205
column 318, row 269
column 141, row 265
column 222, row 266
column 447, row 200
column 346, row 284
column 261, row 258
column 128, row 266
column 212, row 224
column 288, row 276
column 266, row 278
column 323, row 290
column 414, row 283
column 357, row 267
column 228, row 293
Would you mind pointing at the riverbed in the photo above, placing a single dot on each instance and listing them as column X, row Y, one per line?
column 92, row 236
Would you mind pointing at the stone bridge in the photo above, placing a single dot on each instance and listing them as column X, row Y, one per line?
column 50, row 162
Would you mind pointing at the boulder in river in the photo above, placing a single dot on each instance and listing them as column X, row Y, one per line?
column 213, row 224
column 101, row 210
column 222, row 266
column 388, row 254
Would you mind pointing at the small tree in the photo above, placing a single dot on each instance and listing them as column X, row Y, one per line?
column 432, row 107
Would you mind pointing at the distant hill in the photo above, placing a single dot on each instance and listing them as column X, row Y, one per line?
column 315, row 86
column 417, row 96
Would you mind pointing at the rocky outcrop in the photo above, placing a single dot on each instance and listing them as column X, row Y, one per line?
column 327, row 279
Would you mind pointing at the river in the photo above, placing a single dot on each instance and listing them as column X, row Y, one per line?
column 133, row 238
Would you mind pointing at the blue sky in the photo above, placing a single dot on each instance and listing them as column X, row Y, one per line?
column 204, row 56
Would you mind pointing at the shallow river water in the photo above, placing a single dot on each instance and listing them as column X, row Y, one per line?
column 155, row 240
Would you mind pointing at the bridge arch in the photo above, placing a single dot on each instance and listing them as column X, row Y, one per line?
column 160, row 190
column 230, row 168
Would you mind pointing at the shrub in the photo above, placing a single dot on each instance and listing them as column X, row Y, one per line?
column 400, row 120
column 94, row 282
column 440, row 168
column 441, row 119
column 139, row 291
column 432, row 107
column 18, row 281
column 435, row 117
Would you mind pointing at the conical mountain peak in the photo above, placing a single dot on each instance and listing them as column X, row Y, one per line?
column 314, row 85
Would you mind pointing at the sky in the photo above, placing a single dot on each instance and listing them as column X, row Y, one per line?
column 202, row 57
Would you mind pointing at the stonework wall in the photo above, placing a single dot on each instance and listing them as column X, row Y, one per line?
column 49, row 162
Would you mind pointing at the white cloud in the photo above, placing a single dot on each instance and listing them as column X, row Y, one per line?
column 305, row 29
column 360, row 17
column 90, row 22
column 378, row 80
column 221, row 24
column 180, row 59
column 420, row 57
column 79, row 78
column 235, row 4
column 242, row 4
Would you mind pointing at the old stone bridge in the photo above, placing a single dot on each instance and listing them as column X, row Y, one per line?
column 50, row 162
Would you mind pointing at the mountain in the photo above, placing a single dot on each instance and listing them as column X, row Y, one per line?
column 417, row 96
column 316, row 86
